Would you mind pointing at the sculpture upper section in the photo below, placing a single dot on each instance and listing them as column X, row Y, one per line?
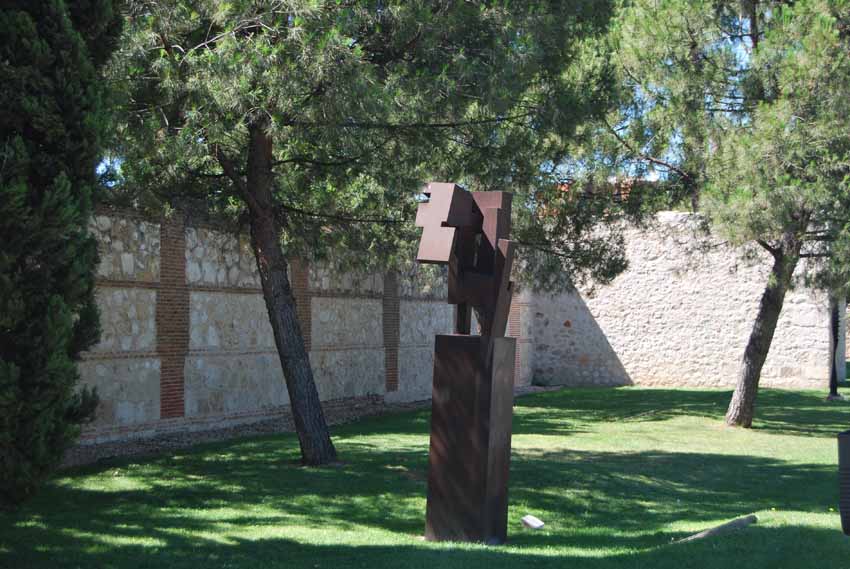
column 469, row 231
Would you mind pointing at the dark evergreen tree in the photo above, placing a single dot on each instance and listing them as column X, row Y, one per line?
column 51, row 123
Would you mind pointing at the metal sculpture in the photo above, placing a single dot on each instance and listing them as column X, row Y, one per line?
column 844, row 480
column 472, row 400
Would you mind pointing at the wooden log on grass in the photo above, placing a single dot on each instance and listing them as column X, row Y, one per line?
column 736, row 524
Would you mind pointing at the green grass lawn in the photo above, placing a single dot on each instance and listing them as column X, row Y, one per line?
column 617, row 475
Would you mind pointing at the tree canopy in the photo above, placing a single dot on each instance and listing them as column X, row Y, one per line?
column 737, row 109
column 365, row 101
column 317, row 122
column 786, row 168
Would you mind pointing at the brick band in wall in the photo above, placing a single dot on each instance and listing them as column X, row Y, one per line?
column 391, row 324
column 299, row 279
column 172, row 317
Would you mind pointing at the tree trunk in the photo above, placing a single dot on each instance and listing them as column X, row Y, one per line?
column 310, row 425
column 742, row 407
column 834, row 324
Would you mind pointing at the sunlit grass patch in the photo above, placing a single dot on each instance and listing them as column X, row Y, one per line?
column 618, row 475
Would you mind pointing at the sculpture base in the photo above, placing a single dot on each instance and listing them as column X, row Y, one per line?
column 469, row 458
column 844, row 480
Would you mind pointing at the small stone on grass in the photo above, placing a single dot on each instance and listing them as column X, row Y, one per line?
column 532, row 522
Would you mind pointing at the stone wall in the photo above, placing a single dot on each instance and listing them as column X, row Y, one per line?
column 187, row 345
column 125, row 367
column 680, row 315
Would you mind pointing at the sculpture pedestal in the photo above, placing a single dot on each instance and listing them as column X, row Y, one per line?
column 470, row 454
column 844, row 480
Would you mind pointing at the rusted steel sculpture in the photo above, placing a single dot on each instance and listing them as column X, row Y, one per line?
column 844, row 480
column 471, row 409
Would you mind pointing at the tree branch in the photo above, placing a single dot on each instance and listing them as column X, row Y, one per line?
column 340, row 218
column 646, row 157
column 543, row 249
column 403, row 126
column 231, row 171
column 332, row 163
column 774, row 251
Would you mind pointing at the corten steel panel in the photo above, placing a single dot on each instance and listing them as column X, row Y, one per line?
column 469, row 458
column 448, row 208
column 844, row 480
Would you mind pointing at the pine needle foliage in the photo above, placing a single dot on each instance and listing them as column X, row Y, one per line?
column 51, row 122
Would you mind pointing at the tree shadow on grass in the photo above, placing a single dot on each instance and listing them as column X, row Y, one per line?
column 203, row 503
column 804, row 413
column 568, row 411
column 603, row 509
column 801, row 413
column 758, row 547
column 573, row 410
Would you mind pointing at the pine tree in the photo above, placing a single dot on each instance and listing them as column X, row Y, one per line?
column 739, row 109
column 302, row 116
column 782, row 178
column 51, row 124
